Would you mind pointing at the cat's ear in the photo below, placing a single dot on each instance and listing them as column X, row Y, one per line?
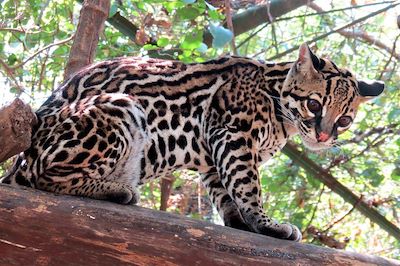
column 307, row 63
column 370, row 89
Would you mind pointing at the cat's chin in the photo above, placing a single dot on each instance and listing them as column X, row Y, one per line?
column 316, row 146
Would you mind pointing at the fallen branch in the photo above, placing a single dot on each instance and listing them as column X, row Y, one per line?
column 41, row 228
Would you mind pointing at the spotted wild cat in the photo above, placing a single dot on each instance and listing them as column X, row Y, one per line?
column 119, row 123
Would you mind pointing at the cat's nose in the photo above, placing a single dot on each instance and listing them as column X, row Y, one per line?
column 323, row 137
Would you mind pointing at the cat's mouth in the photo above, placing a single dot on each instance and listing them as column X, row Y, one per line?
column 314, row 144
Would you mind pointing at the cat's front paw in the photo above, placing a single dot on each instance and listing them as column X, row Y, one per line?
column 296, row 233
column 282, row 231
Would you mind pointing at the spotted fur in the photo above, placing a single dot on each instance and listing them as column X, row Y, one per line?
column 119, row 123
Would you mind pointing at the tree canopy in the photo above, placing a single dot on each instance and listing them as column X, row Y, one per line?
column 36, row 37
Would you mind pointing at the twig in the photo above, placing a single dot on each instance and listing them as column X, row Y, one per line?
column 42, row 71
column 308, row 15
column 315, row 209
column 41, row 50
column 376, row 130
column 360, row 34
column 19, row 30
column 10, row 73
column 391, row 56
column 199, row 198
column 322, row 12
column 230, row 24
column 322, row 36
column 344, row 216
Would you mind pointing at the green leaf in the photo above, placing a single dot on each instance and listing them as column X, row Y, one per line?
column 395, row 175
column 214, row 14
column 315, row 183
column 162, row 42
column 14, row 90
column 373, row 176
column 150, row 47
column 394, row 115
column 12, row 58
column 192, row 40
column 171, row 6
column 202, row 48
column 113, row 9
column 188, row 13
column 62, row 50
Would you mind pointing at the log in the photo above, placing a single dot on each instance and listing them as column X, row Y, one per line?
column 39, row 228
column 16, row 121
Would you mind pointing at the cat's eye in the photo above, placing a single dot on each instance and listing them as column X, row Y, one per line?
column 344, row 121
column 314, row 106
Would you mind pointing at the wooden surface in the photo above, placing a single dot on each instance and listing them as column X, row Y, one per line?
column 37, row 228
column 16, row 121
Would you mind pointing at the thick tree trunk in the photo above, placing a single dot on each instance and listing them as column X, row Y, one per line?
column 91, row 22
column 38, row 228
column 16, row 121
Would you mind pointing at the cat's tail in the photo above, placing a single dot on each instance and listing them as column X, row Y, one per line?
column 10, row 176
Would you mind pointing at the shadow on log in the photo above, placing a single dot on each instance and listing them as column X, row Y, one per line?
column 37, row 228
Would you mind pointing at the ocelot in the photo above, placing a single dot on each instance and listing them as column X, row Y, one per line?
column 119, row 123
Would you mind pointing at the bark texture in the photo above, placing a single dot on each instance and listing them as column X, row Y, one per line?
column 16, row 121
column 38, row 228
column 91, row 23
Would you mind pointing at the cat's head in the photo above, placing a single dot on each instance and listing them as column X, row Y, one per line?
column 322, row 99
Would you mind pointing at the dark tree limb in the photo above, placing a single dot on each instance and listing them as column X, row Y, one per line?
column 91, row 22
column 16, row 121
column 38, row 228
column 255, row 16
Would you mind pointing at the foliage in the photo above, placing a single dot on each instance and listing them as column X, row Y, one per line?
column 367, row 162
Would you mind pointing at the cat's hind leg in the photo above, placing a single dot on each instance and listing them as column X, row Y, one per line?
column 99, row 156
column 94, row 188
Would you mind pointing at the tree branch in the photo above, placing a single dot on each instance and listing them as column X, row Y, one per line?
column 359, row 34
column 309, row 15
column 91, row 21
column 336, row 30
column 326, row 178
column 9, row 71
column 41, row 50
column 255, row 16
column 229, row 22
